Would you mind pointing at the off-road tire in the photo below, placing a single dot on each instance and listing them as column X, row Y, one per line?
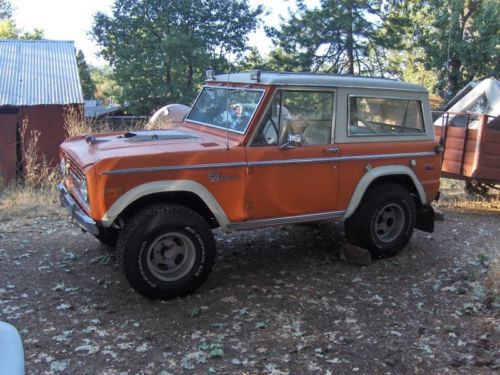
column 153, row 233
column 384, row 221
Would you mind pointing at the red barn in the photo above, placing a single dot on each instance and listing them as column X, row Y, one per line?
column 39, row 81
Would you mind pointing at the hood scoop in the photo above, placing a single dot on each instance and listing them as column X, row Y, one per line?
column 157, row 135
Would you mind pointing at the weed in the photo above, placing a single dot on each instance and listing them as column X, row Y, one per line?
column 34, row 194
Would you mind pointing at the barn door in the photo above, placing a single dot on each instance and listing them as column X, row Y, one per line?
column 9, row 158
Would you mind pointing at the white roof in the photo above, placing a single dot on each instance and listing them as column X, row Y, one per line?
column 486, row 91
column 320, row 80
column 38, row 72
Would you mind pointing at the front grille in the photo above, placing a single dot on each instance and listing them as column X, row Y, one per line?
column 74, row 170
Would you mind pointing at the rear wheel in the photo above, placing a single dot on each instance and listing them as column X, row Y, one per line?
column 384, row 221
column 166, row 251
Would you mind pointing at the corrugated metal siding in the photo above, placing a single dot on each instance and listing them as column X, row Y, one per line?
column 38, row 72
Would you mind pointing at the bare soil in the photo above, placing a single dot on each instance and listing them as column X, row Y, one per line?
column 279, row 301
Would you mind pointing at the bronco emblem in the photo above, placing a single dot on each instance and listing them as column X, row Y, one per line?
column 219, row 177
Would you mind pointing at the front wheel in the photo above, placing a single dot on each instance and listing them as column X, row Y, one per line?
column 384, row 221
column 166, row 251
column 107, row 236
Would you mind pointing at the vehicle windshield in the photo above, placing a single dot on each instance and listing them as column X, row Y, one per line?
column 225, row 107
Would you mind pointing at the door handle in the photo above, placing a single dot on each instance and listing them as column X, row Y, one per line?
column 335, row 150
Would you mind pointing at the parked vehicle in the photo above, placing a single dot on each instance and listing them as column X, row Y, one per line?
column 11, row 351
column 257, row 150
column 471, row 151
column 469, row 131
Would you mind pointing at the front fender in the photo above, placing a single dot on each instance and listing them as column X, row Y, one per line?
column 161, row 187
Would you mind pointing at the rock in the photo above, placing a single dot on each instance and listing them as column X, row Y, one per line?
column 356, row 255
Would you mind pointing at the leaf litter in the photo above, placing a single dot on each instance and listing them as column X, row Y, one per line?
column 280, row 301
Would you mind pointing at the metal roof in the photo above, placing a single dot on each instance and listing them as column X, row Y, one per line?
column 320, row 80
column 38, row 72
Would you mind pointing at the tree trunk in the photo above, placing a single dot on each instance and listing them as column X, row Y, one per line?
column 169, row 72
column 454, row 76
column 190, row 76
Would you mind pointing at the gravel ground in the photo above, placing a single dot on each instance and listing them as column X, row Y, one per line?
column 279, row 301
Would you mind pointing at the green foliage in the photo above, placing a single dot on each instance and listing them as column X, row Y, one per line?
column 8, row 30
column 107, row 89
column 5, row 10
column 459, row 40
column 88, row 85
column 35, row 34
column 441, row 45
column 345, row 36
column 159, row 49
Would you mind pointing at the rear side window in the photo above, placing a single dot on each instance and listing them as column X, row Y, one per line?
column 384, row 116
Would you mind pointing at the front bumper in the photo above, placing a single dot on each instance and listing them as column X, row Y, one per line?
column 75, row 212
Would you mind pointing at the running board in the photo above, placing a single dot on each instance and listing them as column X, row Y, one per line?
column 263, row 223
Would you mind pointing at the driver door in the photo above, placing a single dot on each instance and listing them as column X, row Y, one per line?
column 293, row 178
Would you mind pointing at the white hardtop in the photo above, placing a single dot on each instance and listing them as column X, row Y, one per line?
column 320, row 80
column 487, row 91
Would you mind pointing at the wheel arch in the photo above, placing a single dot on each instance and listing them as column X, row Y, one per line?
column 399, row 174
column 183, row 192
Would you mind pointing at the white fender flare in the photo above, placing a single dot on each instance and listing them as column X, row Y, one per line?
column 372, row 175
column 161, row 187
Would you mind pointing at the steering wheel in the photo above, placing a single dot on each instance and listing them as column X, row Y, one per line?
column 263, row 137
column 367, row 125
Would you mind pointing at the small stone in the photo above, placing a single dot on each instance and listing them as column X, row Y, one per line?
column 356, row 255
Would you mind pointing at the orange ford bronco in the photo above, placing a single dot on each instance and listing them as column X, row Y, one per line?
column 255, row 150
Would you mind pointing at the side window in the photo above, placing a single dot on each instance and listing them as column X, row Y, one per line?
column 384, row 116
column 310, row 114
column 268, row 133
column 305, row 113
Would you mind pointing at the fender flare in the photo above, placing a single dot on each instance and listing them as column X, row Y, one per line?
column 162, row 187
column 372, row 175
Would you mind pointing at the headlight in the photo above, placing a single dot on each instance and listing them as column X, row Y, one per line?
column 84, row 191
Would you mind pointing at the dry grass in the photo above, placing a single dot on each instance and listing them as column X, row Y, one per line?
column 454, row 197
column 75, row 124
column 38, row 173
column 36, row 194
column 23, row 202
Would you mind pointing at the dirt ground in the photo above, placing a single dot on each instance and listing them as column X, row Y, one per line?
column 279, row 301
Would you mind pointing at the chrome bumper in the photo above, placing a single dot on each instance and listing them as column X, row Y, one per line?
column 75, row 212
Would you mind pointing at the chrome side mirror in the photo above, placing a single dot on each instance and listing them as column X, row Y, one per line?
column 292, row 141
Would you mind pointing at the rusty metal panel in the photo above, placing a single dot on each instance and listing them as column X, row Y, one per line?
column 460, row 154
column 48, row 120
column 472, row 153
column 488, row 164
column 8, row 123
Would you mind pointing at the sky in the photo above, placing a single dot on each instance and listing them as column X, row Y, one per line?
column 72, row 20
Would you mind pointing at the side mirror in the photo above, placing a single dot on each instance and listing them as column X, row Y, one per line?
column 292, row 141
